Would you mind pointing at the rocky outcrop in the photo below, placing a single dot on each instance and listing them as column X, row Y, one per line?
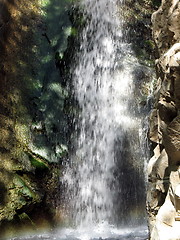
column 163, row 200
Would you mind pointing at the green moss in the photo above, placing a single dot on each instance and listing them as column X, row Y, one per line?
column 44, row 2
column 47, row 58
column 74, row 31
column 149, row 44
column 37, row 163
column 67, row 31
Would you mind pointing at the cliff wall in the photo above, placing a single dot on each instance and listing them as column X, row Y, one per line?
column 163, row 200
column 31, row 136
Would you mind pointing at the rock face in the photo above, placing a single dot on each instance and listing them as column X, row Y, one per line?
column 163, row 199
column 31, row 139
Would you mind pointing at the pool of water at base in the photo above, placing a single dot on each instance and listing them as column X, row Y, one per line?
column 99, row 233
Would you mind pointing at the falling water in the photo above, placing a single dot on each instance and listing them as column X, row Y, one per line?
column 105, row 174
column 104, row 178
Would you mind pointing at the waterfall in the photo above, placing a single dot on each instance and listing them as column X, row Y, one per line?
column 102, row 183
column 105, row 173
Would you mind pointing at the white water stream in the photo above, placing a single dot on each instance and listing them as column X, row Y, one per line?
column 102, row 177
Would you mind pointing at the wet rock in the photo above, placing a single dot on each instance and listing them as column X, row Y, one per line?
column 28, row 181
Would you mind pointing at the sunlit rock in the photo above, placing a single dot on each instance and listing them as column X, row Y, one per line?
column 177, row 202
column 171, row 140
column 160, row 166
column 153, row 130
column 152, row 161
column 166, row 33
column 167, row 212
column 171, row 58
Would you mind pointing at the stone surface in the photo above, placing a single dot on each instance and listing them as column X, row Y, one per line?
column 171, row 140
column 163, row 200
column 29, row 170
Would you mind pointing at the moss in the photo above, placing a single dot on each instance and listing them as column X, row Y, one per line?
column 37, row 163
column 150, row 44
column 47, row 58
column 74, row 31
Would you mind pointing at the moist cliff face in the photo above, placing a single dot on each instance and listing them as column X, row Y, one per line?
column 163, row 200
column 32, row 101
